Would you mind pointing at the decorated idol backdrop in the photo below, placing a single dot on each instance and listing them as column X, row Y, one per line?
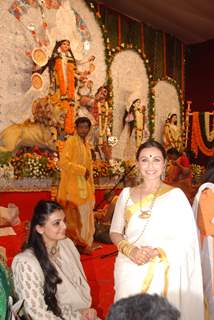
column 62, row 59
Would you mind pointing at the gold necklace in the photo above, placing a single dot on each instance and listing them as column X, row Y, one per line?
column 53, row 251
column 146, row 214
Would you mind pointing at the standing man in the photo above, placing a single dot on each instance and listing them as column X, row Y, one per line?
column 76, row 189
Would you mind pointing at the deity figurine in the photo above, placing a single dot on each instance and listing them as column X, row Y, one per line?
column 100, row 112
column 133, row 131
column 61, row 67
column 140, row 119
column 172, row 137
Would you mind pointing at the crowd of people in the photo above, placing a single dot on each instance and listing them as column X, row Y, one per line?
column 161, row 271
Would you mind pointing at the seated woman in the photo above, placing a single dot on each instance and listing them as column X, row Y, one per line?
column 48, row 274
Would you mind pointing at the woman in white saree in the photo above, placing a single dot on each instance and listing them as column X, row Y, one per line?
column 154, row 229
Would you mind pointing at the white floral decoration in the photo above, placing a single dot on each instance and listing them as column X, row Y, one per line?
column 97, row 47
column 166, row 102
column 117, row 167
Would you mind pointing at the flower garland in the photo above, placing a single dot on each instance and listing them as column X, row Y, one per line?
column 208, row 143
column 69, row 89
column 209, row 126
column 140, row 127
column 102, row 119
column 196, row 139
column 66, row 91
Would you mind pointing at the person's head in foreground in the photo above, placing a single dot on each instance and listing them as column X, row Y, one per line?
column 143, row 307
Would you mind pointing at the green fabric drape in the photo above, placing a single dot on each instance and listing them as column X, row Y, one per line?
column 5, row 288
column 110, row 20
column 133, row 33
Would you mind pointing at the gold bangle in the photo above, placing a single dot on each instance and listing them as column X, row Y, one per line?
column 125, row 247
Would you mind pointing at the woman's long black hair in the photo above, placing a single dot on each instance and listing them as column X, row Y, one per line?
column 35, row 242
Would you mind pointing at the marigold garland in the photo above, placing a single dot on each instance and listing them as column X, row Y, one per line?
column 69, row 91
column 69, row 118
column 209, row 126
column 197, row 141
column 71, row 84
column 61, row 80
column 102, row 119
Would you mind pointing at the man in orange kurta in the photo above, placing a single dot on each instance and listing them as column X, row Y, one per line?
column 203, row 207
column 76, row 189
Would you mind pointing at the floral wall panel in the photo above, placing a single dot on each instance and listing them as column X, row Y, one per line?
column 129, row 82
column 96, row 43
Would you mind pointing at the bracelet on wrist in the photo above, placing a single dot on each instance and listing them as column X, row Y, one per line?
column 125, row 247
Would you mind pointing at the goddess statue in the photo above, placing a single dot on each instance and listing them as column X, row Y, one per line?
column 172, row 136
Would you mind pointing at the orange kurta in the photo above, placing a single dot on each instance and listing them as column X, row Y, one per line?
column 76, row 193
column 204, row 209
column 206, row 213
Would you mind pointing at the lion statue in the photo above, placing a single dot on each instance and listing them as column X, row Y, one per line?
column 30, row 133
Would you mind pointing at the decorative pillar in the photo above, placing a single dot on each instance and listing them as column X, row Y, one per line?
column 164, row 54
column 182, row 70
column 119, row 31
column 188, row 113
column 142, row 37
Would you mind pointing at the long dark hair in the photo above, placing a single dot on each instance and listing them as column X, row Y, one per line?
column 150, row 144
column 35, row 242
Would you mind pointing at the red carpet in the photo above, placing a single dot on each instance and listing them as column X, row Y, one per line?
column 99, row 272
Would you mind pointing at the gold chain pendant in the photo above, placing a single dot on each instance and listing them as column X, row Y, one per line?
column 145, row 214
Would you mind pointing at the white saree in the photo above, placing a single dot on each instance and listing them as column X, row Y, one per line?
column 172, row 229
